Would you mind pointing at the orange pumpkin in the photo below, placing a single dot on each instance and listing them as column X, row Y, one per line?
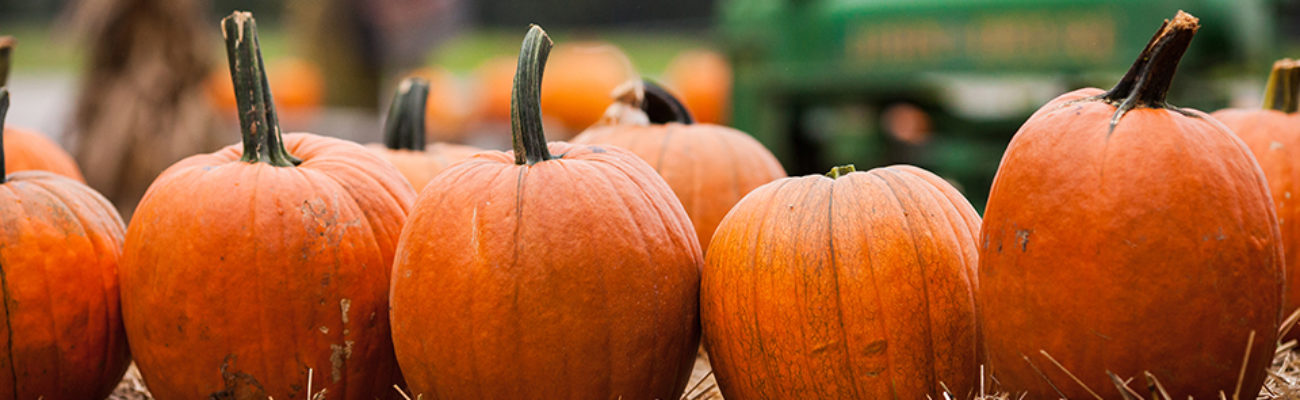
column 521, row 276
column 1124, row 236
column 1271, row 134
column 710, row 167
column 582, row 78
column 249, row 271
column 404, row 137
column 298, row 85
column 703, row 79
column 60, row 242
column 451, row 110
column 493, row 81
column 847, row 286
column 27, row 150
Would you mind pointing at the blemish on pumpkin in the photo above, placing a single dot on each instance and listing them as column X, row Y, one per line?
column 338, row 359
column 473, row 232
column 1275, row 145
column 821, row 347
column 875, row 372
column 597, row 149
column 345, row 304
column 1022, row 236
column 875, row 347
column 324, row 329
column 239, row 385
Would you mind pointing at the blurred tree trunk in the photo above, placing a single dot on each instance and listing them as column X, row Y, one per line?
column 359, row 43
column 335, row 36
column 142, row 104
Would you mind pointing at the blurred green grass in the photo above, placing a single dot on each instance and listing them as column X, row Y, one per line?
column 44, row 50
column 39, row 50
column 650, row 52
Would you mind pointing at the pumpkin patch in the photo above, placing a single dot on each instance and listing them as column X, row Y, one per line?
column 1128, row 248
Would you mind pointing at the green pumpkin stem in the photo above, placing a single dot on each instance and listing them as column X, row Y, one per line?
column 404, row 129
column 662, row 107
column 6, row 53
column 526, row 99
column 257, row 119
column 1147, row 82
column 4, row 110
column 1283, row 87
column 841, row 170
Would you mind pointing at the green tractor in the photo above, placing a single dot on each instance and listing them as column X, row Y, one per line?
column 944, row 84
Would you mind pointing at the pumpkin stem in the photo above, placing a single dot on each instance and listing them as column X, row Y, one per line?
column 4, row 109
column 404, row 129
column 6, row 51
column 1147, row 82
column 257, row 118
column 841, row 170
column 1283, row 86
column 662, row 107
column 526, row 99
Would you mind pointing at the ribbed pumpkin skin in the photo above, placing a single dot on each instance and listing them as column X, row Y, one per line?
column 26, row 150
column 1274, row 138
column 1120, row 251
column 861, row 287
column 709, row 167
column 61, row 326
column 574, row 278
column 419, row 167
column 266, row 271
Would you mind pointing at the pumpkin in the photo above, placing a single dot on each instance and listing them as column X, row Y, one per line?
column 582, row 78
column 60, row 242
column 298, row 84
column 703, row 79
column 28, row 150
column 710, row 167
column 1124, row 236
column 853, row 285
column 253, row 270
column 560, row 270
column 449, row 115
column 1271, row 133
column 404, row 137
column 493, row 80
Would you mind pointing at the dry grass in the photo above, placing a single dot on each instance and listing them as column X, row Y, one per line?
column 1283, row 382
column 131, row 387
